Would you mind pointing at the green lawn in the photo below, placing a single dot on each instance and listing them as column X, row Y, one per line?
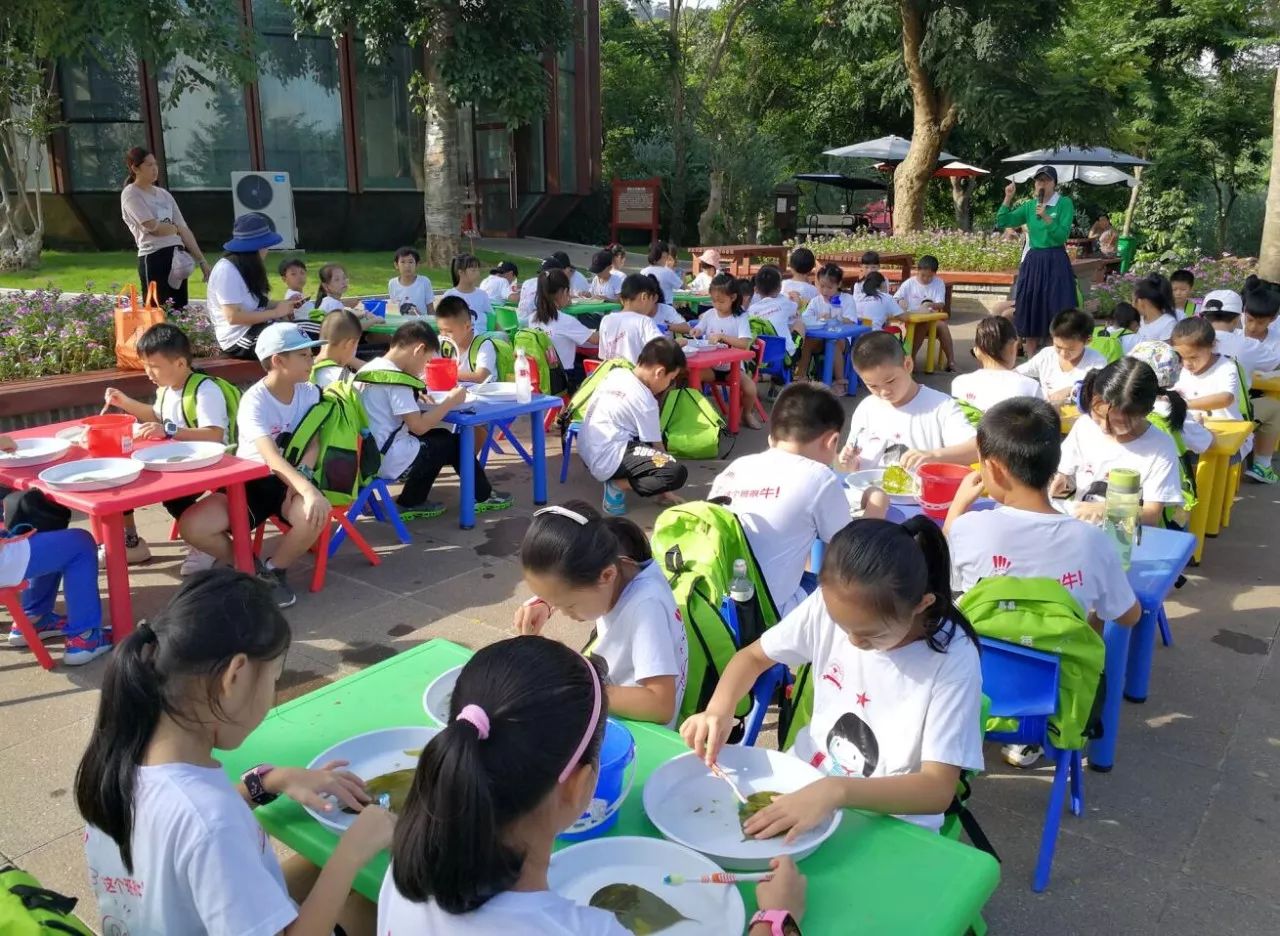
column 106, row 271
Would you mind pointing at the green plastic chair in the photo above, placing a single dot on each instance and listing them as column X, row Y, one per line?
column 505, row 319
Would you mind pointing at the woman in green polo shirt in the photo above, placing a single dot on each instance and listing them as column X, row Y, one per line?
column 1046, row 284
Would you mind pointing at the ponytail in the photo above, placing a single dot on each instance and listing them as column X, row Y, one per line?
column 550, row 284
column 325, row 274
column 1177, row 408
column 937, row 558
column 134, row 158
column 576, row 544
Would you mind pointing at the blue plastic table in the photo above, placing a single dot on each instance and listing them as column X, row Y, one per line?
column 468, row 417
column 830, row 333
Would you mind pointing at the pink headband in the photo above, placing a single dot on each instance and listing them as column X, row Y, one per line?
column 591, row 724
column 477, row 717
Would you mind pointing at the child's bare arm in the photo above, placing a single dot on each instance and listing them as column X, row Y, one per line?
column 654, row 700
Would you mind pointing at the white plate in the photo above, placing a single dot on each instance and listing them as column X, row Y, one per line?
column 370, row 755
column 579, row 871
column 180, row 456
column 698, row 344
column 34, row 452
column 435, row 701
column 492, row 392
column 698, row 810
column 92, row 474
column 72, row 434
column 437, row 396
column 868, row 477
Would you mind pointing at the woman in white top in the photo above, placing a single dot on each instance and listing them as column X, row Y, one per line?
column 159, row 230
column 567, row 333
column 995, row 345
column 236, row 300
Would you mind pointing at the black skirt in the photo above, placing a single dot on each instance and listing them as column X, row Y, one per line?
column 1045, row 286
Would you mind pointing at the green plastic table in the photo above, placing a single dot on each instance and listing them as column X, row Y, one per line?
column 390, row 323
column 867, row 878
column 579, row 307
column 693, row 298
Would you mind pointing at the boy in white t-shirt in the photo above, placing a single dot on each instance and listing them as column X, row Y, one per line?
column 662, row 266
column 1260, row 316
column 339, row 338
column 781, row 313
column 407, row 287
column 1210, row 382
column 901, row 421
column 293, row 273
column 1061, row 367
column 1223, row 309
column 477, row 355
column 788, row 496
column 623, row 334
column 926, row 292
column 799, row 288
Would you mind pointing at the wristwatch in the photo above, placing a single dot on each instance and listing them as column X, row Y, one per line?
column 170, row 428
column 253, row 782
column 781, row 922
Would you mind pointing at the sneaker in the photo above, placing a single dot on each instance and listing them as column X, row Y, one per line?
column 136, row 550
column 615, row 500
column 496, row 500
column 47, row 628
column 752, row 421
column 86, row 647
column 276, row 580
column 196, row 561
column 427, row 510
column 1022, row 755
column 1263, row 474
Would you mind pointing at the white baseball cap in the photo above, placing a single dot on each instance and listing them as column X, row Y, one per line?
column 281, row 338
column 1228, row 300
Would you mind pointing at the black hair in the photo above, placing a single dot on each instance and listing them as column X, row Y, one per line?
column 657, row 249
column 1072, row 324
column 895, row 566
column 214, row 616
column 408, row 252
column 1261, row 300
column 637, row 285
column 723, row 282
column 1125, row 316
column 876, row 348
column 133, row 159
column 576, row 553
column 871, row 283
column 617, row 250
column 253, row 271
column 290, row 263
column 653, row 280
column 993, row 335
column 871, row 257
column 768, row 280
column 831, row 271
column 802, row 260
column 462, row 262
column 506, row 266
column 340, row 325
column 1156, row 290
column 550, row 263
column 928, row 262
column 550, row 284
column 449, row 843
column 453, row 307
column 662, row 352
column 326, row 274
column 746, row 289
column 416, row 333
column 167, row 339
column 565, row 262
column 804, row 412
column 601, row 262
column 1212, row 311
column 1025, row 435
column 858, row 733
column 1194, row 331
column 1182, row 276
column 1130, row 387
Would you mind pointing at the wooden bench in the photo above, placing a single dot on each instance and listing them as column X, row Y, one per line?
column 739, row 257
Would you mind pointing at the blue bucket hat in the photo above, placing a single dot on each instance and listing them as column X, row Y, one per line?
column 252, row 232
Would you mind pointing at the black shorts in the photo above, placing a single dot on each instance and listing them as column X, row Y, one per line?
column 266, row 498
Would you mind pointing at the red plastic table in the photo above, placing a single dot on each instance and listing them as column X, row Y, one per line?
column 712, row 357
column 106, row 508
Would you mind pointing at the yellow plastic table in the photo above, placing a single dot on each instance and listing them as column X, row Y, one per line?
column 1268, row 384
column 1069, row 414
column 925, row 318
column 1228, row 436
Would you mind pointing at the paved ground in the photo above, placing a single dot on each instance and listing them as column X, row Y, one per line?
column 1178, row 839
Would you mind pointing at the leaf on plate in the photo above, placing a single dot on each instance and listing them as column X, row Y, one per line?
column 640, row 911
column 755, row 802
column 897, row 481
column 396, row 784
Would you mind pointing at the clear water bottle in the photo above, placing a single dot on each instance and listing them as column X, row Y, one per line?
column 1123, row 508
column 524, row 378
column 740, row 589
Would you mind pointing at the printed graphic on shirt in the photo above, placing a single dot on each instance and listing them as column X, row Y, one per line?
column 852, row 744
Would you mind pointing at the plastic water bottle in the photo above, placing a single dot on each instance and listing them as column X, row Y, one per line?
column 747, row 609
column 1123, row 508
column 524, row 379
column 740, row 589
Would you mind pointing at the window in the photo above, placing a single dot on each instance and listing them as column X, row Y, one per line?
column 302, row 131
column 567, row 114
column 206, row 134
column 101, row 104
column 391, row 136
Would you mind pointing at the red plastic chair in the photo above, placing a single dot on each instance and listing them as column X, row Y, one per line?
column 320, row 548
column 11, row 598
column 720, row 383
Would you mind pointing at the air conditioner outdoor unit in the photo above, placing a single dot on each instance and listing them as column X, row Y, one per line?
column 267, row 194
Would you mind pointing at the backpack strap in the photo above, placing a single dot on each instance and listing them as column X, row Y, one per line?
column 968, row 821
column 394, row 378
column 190, row 392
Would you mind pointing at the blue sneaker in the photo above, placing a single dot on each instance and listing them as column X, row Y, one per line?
column 86, row 647
column 47, row 628
column 615, row 500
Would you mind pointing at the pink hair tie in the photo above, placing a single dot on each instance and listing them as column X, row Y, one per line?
column 477, row 717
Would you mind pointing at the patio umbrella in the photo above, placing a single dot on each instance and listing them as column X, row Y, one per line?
column 1093, row 175
column 952, row 170
column 888, row 148
column 1078, row 156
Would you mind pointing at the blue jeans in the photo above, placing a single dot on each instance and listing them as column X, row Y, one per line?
column 69, row 558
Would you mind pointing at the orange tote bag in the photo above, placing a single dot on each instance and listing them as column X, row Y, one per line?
column 132, row 319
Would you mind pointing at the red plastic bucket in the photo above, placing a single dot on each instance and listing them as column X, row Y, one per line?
column 938, row 484
column 442, row 373
column 109, row 436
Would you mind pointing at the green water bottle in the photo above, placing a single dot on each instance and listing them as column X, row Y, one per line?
column 1123, row 517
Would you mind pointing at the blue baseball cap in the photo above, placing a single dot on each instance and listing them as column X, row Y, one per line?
column 252, row 232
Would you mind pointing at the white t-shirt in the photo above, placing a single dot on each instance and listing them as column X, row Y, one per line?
column 201, row 863
column 1088, row 454
column 882, row 713
column 806, row 290
column 138, row 205
column 261, row 414
column 1194, row 435
column 624, row 334
column 496, row 288
column 642, row 636
column 621, row 411
column 1222, row 376
column 528, row 297
column 507, row 914
column 778, row 311
column 1046, row 367
column 917, row 293
column 929, row 420
column 332, row 304
column 211, row 407
column 567, row 334
column 15, row 555
column 303, row 312
column 386, row 405
column 608, row 289
column 664, row 314
column 713, row 326
column 330, row 374
column 985, row 388
column 1255, row 357
column 227, row 287
column 1026, row 544
column 577, row 283
column 670, row 281
column 418, row 293
column 478, row 302
column 820, row 308
column 784, row 501
column 878, row 308
column 486, row 357
column 702, row 282
column 1161, row 329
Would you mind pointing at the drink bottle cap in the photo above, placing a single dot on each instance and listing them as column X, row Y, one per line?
column 1123, row 480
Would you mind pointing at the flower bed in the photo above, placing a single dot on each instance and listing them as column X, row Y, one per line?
column 43, row 334
column 1225, row 272
column 955, row 250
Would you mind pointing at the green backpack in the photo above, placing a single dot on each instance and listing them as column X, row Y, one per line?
column 1041, row 614
column 577, row 408
column 691, row 424
column 539, row 349
column 1186, row 472
column 230, row 393
column 697, row 544
column 971, row 412
column 1108, row 345
column 27, row 909
column 763, row 328
column 506, row 353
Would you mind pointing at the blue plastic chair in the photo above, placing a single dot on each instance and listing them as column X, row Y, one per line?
column 1023, row 683
column 767, row 683
column 773, row 361
column 376, row 499
column 566, row 449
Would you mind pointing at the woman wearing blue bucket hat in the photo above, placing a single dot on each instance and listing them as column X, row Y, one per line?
column 237, row 298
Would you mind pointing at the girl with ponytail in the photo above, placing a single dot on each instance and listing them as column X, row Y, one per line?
column 171, row 834
column 464, row 270
column 896, row 683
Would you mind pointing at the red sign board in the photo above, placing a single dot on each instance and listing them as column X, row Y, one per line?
column 635, row 206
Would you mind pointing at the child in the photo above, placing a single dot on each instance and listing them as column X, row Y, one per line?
column 1261, row 306
column 870, row 263
column 414, row 448
column 1113, row 432
column 334, row 284
column 601, row 568
column 464, row 271
column 1222, row 308
column 901, row 421
column 270, row 409
column 662, row 266
column 872, row 301
column 1123, row 326
column 567, row 333
column 1182, row 283
column 828, row 305
column 619, row 258
column 476, row 354
column 1154, row 303
column 166, row 355
column 799, row 289
column 666, row 317
column 339, row 338
column 925, row 292
column 746, row 291
column 578, row 284
column 500, row 284
column 780, row 312
column 725, row 323
column 1058, row 369
column 897, row 688
column 623, row 334
column 708, row 269
column 529, row 289
column 1210, row 382
column 413, row 292
column 621, row 438
column 160, row 809
column 787, row 496
column 606, row 282
column 995, row 345
column 293, row 272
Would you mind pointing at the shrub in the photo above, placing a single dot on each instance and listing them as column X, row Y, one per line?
column 955, row 250
column 1225, row 272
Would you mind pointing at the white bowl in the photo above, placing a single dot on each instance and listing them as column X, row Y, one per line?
column 873, row 477
column 370, row 755
column 180, row 456
column 439, row 693
column 502, row 390
column 35, row 452
column 92, row 474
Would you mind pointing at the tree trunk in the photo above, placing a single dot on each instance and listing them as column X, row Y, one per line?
column 1269, row 253
column 1224, row 214
column 441, row 192
column 708, row 226
column 962, row 199
column 933, row 116
column 1133, row 201
column 679, row 144
column 21, row 212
